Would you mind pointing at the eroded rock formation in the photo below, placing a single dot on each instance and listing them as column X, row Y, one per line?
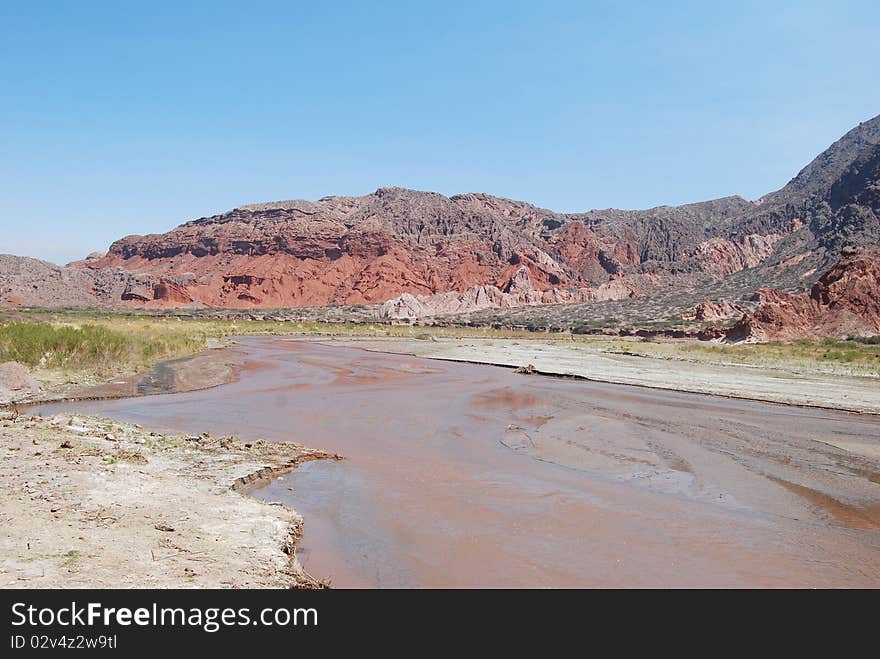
column 844, row 302
column 709, row 311
column 516, row 293
column 432, row 255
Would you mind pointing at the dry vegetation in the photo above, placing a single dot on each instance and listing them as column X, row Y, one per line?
column 827, row 356
column 94, row 347
column 105, row 343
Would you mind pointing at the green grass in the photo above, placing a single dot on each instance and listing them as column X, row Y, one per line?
column 140, row 323
column 828, row 351
column 71, row 557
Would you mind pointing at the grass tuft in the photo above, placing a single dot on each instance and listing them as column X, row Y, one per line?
column 93, row 347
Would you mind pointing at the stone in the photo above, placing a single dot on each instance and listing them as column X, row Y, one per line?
column 843, row 303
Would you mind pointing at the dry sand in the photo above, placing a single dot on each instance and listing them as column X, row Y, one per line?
column 88, row 502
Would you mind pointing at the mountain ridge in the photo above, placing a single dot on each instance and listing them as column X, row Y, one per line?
column 345, row 250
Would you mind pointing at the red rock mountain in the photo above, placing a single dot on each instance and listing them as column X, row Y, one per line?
column 344, row 250
column 370, row 249
column 844, row 302
column 363, row 250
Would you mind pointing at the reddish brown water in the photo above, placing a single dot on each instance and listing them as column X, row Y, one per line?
column 464, row 475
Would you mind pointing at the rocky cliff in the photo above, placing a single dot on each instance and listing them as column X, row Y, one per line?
column 471, row 248
column 33, row 283
column 843, row 303
column 362, row 250
column 518, row 292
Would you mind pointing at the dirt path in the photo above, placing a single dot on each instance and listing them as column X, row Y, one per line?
column 89, row 502
column 856, row 394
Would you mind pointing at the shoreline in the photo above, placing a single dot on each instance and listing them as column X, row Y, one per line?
column 584, row 378
column 205, row 369
column 443, row 453
column 218, row 365
column 246, row 466
column 92, row 502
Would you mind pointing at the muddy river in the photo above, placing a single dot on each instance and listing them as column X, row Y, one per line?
column 467, row 476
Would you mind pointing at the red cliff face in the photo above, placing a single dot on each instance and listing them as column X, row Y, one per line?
column 844, row 302
column 366, row 250
column 374, row 248
column 343, row 250
column 595, row 257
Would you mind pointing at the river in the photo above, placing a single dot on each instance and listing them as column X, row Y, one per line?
column 461, row 475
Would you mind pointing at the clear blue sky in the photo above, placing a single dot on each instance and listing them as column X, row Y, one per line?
column 119, row 119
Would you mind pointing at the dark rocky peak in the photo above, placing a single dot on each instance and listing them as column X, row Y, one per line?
column 816, row 180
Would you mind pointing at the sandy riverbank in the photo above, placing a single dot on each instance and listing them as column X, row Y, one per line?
column 89, row 502
column 209, row 368
column 772, row 384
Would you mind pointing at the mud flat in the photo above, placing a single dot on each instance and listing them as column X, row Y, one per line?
column 851, row 393
column 467, row 475
column 89, row 502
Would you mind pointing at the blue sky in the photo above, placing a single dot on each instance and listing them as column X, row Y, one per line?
column 119, row 119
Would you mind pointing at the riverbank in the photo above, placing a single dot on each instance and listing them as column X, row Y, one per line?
column 87, row 494
column 212, row 367
column 92, row 503
column 791, row 385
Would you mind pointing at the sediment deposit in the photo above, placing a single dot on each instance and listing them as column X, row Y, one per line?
column 93, row 503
